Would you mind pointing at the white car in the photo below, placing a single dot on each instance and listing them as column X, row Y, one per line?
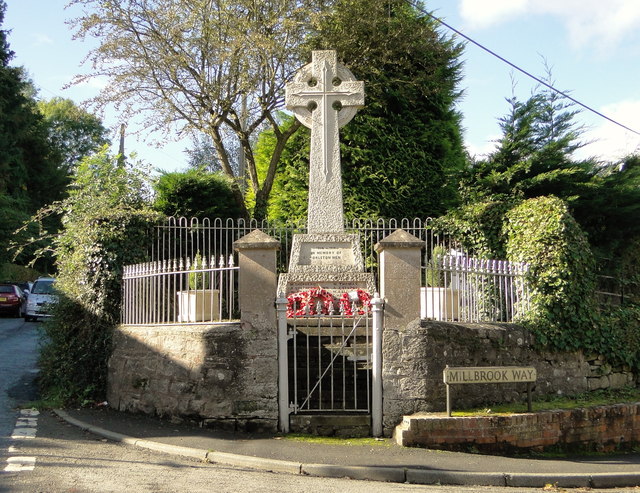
column 40, row 299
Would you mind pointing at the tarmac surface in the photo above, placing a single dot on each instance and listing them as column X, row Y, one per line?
column 382, row 461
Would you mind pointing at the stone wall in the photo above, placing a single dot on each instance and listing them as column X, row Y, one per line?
column 223, row 376
column 601, row 428
column 413, row 360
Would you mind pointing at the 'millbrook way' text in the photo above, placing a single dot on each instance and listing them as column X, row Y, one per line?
column 489, row 374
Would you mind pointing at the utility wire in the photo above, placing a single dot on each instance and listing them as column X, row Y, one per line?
column 418, row 6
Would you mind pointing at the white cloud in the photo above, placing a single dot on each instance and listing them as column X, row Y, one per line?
column 41, row 39
column 483, row 14
column 610, row 141
column 588, row 22
column 481, row 150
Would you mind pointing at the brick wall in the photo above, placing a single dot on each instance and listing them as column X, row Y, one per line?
column 602, row 428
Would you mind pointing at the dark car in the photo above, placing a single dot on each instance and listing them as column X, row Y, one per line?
column 11, row 299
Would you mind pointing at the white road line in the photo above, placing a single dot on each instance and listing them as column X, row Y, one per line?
column 26, row 427
column 19, row 464
column 21, row 433
column 29, row 412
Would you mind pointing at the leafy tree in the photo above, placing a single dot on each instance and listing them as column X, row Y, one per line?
column 399, row 151
column 73, row 132
column 195, row 193
column 610, row 206
column 202, row 155
column 29, row 176
column 534, row 156
column 195, row 65
column 289, row 195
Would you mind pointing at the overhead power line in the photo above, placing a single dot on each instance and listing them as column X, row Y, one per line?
column 419, row 7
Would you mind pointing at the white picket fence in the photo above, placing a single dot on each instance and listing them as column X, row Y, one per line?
column 160, row 292
column 477, row 290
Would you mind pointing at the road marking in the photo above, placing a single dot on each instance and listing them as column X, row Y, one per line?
column 19, row 464
column 26, row 427
column 23, row 432
column 29, row 412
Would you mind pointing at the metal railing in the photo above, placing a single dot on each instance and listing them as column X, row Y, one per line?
column 197, row 291
column 486, row 290
column 184, row 238
column 476, row 290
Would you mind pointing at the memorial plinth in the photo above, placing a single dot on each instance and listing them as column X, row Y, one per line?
column 324, row 96
column 331, row 261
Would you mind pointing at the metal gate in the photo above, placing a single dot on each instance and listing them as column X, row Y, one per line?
column 330, row 363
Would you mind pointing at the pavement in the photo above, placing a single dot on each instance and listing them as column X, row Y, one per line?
column 380, row 460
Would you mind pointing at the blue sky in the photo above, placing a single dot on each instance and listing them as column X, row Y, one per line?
column 592, row 47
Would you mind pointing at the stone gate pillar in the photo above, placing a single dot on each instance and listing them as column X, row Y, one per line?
column 400, row 278
column 257, row 278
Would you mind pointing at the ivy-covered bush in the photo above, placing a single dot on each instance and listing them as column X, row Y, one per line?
column 563, row 313
column 477, row 226
column 543, row 233
column 105, row 223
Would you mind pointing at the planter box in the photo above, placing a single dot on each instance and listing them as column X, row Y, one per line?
column 198, row 305
column 439, row 303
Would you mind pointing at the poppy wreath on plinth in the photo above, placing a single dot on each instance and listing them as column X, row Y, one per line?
column 318, row 301
column 359, row 297
column 307, row 303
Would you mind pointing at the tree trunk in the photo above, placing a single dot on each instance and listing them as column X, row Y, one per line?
column 260, row 209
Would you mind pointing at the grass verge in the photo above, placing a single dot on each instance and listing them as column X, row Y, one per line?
column 584, row 399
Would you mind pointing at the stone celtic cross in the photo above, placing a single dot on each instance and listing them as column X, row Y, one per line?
column 325, row 96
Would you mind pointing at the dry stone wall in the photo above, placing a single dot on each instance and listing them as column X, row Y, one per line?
column 221, row 376
column 414, row 358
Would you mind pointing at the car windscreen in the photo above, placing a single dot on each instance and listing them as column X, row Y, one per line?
column 43, row 287
column 6, row 289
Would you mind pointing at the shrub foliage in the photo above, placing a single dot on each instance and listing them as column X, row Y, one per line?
column 105, row 224
column 543, row 233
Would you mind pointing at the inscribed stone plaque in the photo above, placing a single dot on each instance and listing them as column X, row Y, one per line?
column 334, row 252
column 326, row 253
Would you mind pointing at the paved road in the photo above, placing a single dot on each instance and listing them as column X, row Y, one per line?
column 41, row 453
column 70, row 460
column 18, row 358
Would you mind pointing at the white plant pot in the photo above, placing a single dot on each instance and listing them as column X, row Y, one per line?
column 198, row 305
column 439, row 303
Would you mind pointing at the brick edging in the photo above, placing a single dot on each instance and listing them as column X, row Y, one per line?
column 601, row 428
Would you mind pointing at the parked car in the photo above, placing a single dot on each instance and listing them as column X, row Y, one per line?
column 25, row 286
column 40, row 299
column 12, row 299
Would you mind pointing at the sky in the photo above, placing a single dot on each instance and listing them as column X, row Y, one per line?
column 592, row 48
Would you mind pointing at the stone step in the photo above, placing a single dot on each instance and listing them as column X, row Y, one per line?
column 331, row 424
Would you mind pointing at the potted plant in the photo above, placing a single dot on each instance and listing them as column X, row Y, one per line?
column 438, row 301
column 198, row 303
